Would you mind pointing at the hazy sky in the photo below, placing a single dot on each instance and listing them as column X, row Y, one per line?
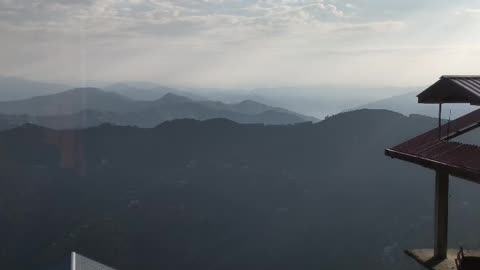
column 234, row 43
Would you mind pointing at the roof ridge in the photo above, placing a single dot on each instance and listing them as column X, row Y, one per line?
column 453, row 89
column 458, row 76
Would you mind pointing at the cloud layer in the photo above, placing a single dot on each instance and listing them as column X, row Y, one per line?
column 239, row 43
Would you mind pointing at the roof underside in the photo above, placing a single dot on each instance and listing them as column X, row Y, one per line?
column 436, row 152
column 453, row 89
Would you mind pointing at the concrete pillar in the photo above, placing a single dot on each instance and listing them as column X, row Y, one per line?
column 441, row 215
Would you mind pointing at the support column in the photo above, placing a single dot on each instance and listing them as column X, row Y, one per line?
column 440, row 121
column 441, row 215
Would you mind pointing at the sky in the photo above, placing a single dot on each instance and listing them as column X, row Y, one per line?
column 234, row 43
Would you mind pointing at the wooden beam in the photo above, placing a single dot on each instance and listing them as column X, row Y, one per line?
column 441, row 215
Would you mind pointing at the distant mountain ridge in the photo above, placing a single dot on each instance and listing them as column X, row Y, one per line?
column 147, row 92
column 67, row 102
column 407, row 104
column 13, row 88
column 318, row 101
column 86, row 107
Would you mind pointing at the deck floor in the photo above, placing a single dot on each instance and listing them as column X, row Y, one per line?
column 425, row 258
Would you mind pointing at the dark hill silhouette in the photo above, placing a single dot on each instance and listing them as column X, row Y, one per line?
column 215, row 194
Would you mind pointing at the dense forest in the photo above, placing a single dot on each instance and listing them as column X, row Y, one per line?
column 215, row 194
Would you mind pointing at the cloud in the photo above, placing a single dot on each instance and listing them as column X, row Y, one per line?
column 233, row 42
column 468, row 11
column 126, row 14
column 373, row 27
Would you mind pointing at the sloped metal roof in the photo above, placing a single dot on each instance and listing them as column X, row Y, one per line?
column 436, row 152
column 453, row 89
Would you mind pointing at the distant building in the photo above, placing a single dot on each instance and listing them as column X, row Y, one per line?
column 435, row 151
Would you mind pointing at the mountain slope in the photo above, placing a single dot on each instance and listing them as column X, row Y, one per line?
column 12, row 88
column 67, row 102
column 219, row 195
column 86, row 107
column 407, row 104
column 318, row 101
column 147, row 92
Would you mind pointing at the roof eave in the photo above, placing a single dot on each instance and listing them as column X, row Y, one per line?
column 446, row 90
column 466, row 174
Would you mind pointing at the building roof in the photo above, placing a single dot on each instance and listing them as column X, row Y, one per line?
column 434, row 150
column 453, row 89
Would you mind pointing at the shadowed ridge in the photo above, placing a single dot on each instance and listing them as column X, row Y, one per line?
column 173, row 99
column 194, row 122
column 378, row 114
column 28, row 127
column 253, row 107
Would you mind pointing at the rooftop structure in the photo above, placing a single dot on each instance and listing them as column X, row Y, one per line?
column 452, row 89
column 434, row 150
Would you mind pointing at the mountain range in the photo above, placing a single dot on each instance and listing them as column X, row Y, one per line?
column 317, row 101
column 407, row 104
column 86, row 107
column 216, row 194
column 147, row 92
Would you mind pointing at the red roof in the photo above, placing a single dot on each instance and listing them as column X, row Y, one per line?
column 436, row 152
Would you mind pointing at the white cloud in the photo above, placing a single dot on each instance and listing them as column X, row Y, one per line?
column 235, row 42
column 348, row 5
column 472, row 10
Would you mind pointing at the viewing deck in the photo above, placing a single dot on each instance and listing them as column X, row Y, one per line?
column 470, row 260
